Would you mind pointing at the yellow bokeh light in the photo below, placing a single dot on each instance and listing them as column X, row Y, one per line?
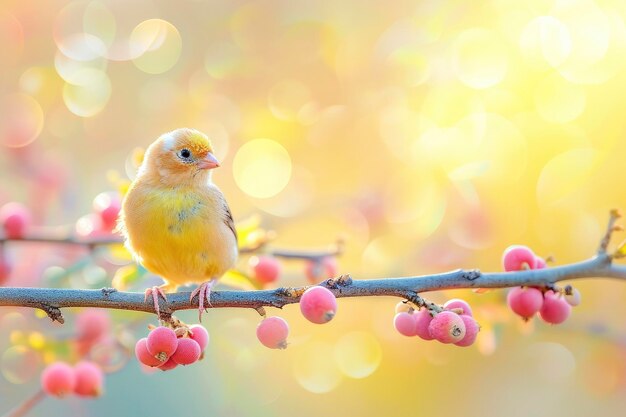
column 262, row 168
column 480, row 58
column 358, row 354
column 314, row 369
column 565, row 173
column 558, row 100
column 157, row 45
column 287, row 97
column 545, row 42
column 88, row 94
column 36, row 340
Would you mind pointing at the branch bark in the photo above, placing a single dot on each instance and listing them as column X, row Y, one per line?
column 51, row 300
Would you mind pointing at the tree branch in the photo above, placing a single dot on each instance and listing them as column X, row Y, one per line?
column 52, row 299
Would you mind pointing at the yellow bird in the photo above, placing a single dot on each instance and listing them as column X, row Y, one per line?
column 176, row 222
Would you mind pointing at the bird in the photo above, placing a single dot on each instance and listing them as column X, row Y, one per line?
column 175, row 221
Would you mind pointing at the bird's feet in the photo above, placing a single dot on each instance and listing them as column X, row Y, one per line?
column 155, row 292
column 204, row 293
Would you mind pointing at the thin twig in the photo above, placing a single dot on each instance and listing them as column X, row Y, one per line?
column 56, row 238
column 604, row 243
column 27, row 405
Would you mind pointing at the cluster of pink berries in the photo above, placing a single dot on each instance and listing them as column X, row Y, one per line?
column 85, row 379
column 454, row 324
column 266, row 269
column 317, row 304
column 554, row 307
column 165, row 348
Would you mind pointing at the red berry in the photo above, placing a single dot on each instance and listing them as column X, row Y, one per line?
column 162, row 342
column 318, row 305
column 555, row 309
column 89, row 379
column 168, row 365
column 516, row 256
column 525, row 301
column 92, row 324
column 187, row 352
column 107, row 206
column 422, row 322
column 321, row 269
column 405, row 324
column 458, row 303
column 272, row 332
column 200, row 335
column 471, row 331
column 145, row 357
column 15, row 218
column 58, row 379
column 266, row 268
column 447, row 327
column 540, row 263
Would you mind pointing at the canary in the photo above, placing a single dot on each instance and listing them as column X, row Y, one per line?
column 175, row 221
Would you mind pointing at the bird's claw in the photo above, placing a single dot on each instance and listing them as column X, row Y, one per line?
column 204, row 293
column 155, row 292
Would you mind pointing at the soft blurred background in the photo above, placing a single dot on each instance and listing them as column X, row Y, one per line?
column 429, row 134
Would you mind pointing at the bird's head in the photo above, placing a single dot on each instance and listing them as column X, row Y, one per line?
column 181, row 156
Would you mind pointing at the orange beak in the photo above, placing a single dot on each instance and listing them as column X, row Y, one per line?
column 208, row 162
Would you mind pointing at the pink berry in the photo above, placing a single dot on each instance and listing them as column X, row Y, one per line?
column 540, row 263
column 422, row 322
column 58, row 379
column 266, row 268
column 89, row 379
column 573, row 299
column 15, row 218
column 187, row 352
column 200, row 335
column 471, row 331
column 555, row 309
column 525, row 301
column 319, row 270
column 318, row 305
column 516, row 256
column 168, row 365
column 162, row 342
column 405, row 324
column 458, row 303
column 92, row 325
column 447, row 327
column 5, row 270
column 145, row 357
column 107, row 206
column 272, row 332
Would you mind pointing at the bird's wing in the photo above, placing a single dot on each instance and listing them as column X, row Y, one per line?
column 228, row 218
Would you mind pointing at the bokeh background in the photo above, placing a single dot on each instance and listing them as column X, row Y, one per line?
column 430, row 134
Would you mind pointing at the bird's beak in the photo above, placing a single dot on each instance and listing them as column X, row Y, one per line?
column 208, row 162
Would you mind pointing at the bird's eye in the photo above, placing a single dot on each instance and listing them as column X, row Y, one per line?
column 185, row 154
